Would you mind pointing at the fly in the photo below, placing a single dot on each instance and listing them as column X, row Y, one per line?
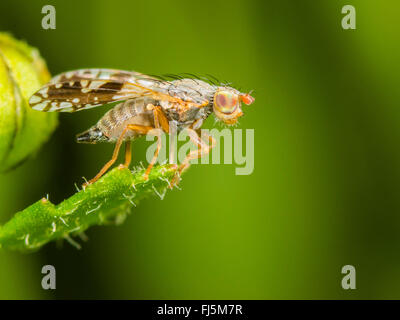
column 143, row 103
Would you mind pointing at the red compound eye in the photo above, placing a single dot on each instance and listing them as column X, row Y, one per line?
column 221, row 100
column 226, row 101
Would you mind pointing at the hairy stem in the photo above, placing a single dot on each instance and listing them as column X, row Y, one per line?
column 108, row 200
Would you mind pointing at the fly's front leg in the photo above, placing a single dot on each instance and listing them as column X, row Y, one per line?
column 160, row 122
column 202, row 149
column 138, row 128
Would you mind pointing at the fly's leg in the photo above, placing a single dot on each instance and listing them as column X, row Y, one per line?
column 155, row 156
column 173, row 132
column 202, row 150
column 128, row 154
column 133, row 127
column 160, row 120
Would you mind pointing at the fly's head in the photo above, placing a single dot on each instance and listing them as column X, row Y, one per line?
column 227, row 104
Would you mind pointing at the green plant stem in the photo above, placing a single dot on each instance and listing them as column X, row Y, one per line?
column 108, row 200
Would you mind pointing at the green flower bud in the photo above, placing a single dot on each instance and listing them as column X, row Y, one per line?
column 22, row 130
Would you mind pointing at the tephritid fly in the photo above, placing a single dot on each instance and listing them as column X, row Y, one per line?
column 147, row 103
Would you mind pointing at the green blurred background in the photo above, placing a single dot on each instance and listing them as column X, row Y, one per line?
column 324, row 192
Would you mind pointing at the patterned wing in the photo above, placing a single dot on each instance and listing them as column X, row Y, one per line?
column 88, row 88
column 101, row 74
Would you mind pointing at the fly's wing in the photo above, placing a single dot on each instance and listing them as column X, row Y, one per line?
column 100, row 74
column 88, row 88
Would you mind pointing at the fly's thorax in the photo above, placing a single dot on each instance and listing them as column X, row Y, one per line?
column 185, row 116
column 194, row 90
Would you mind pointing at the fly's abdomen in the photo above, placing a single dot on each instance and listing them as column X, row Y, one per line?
column 112, row 124
column 93, row 135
